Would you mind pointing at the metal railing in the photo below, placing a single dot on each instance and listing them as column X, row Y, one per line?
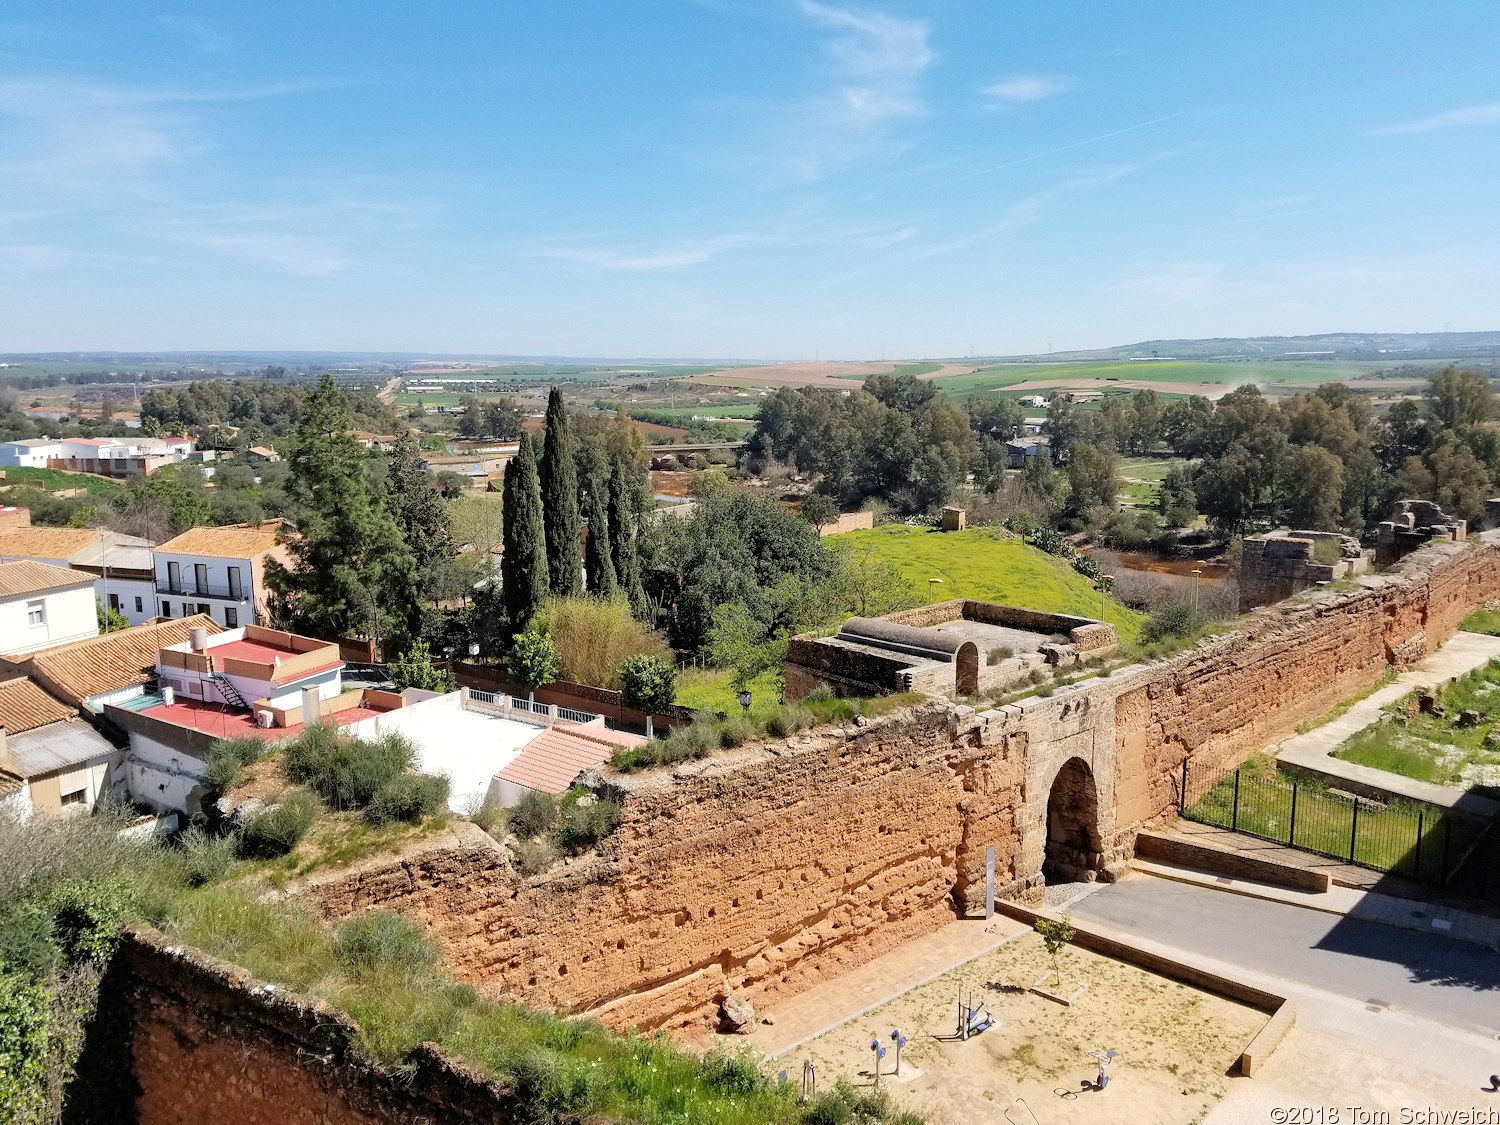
column 186, row 589
column 1420, row 842
column 570, row 715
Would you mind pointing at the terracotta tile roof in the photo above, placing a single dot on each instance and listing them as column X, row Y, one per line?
column 45, row 542
column 25, row 706
column 10, row 782
column 18, row 579
column 237, row 541
column 552, row 759
column 76, row 671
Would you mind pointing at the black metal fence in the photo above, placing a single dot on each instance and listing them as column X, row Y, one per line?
column 1419, row 842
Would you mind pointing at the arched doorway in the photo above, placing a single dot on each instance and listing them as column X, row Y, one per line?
column 966, row 678
column 1074, row 848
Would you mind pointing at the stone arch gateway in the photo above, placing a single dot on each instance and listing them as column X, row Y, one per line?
column 966, row 671
column 1075, row 845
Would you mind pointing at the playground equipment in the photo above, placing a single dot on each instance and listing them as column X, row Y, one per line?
column 1105, row 1058
column 972, row 1019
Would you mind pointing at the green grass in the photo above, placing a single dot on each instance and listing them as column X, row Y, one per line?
column 978, row 564
column 55, row 480
column 1385, row 838
column 1211, row 377
column 1486, row 621
column 710, row 689
column 1432, row 748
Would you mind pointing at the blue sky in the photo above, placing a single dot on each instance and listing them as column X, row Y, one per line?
column 751, row 178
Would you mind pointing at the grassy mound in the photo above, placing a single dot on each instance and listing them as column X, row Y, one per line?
column 977, row 564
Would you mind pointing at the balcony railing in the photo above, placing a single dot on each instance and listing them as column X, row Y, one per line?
column 204, row 590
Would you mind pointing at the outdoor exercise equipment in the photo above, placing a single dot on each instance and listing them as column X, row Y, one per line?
column 900, row 1041
column 973, row 1019
column 1105, row 1058
column 879, row 1054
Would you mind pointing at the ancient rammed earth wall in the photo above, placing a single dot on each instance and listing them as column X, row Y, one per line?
column 181, row 1039
column 762, row 870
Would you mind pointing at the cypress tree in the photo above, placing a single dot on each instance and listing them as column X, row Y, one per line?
column 523, row 566
column 351, row 573
column 559, row 478
column 598, row 561
column 622, row 538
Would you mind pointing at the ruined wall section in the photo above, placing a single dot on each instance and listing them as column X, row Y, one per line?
column 179, row 1038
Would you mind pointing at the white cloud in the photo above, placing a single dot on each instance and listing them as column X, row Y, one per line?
column 1487, row 114
column 642, row 258
column 1029, row 87
column 880, row 56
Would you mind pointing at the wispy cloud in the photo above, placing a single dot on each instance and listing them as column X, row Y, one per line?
column 1486, row 114
column 1029, row 87
column 645, row 258
column 879, row 56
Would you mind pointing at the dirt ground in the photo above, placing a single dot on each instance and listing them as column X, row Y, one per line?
column 795, row 374
column 1177, row 1045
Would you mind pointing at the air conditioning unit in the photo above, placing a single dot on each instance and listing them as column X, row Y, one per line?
column 168, row 696
column 264, row 719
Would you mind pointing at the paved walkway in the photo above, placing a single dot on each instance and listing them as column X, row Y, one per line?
column 833, row 1002
column 1312, row 751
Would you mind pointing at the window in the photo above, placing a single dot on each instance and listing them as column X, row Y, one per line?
column 234, row 582
column 174, row 577
column 114, row 602
column 36, row 613
column 200, row 578
column 202, row 608
column 77, row 797
column 166, row 609
column 139, row 608
column 231, row 617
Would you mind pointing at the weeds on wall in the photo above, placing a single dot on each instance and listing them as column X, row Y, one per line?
column 546, row 828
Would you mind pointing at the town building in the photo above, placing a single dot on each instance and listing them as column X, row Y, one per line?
column 261, row 453
column 383, row 442
column 219, row 572
column 121, row 564
column 92, row 673
column 51, row 761
column 111, row 457
column 42, row 605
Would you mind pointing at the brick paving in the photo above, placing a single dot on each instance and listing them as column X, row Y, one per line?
column 834, row 1002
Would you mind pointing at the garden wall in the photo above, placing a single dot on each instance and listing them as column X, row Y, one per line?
column 766, row 869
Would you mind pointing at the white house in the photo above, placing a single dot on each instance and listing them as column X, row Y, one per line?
column 120, row 564
column 51, row 761
column 43, row 605
column 115, row 457
column 218, row 571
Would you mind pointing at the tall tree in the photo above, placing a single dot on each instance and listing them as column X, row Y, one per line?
column 622, row 546
column 523, row 566
column 598, row 564
column 559, row 481
column 418, row 509
column 351, row 573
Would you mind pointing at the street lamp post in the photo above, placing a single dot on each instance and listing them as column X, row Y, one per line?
column 1105, row 582
column 931, row 582
column 745, row 701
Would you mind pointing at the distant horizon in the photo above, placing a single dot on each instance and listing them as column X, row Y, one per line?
column 788, row 180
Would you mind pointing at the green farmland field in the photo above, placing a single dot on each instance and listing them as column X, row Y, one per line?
column 1182, row 376
column 55, row 480
column 977, row 564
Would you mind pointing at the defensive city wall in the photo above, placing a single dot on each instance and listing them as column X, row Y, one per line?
column 762, row 870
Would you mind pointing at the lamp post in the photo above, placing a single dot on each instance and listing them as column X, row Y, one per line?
column 1197, row 582
column 931, row 582
column 745, row 701
column 473, row 649
column 1105, row 582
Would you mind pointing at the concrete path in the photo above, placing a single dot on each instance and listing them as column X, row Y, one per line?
column 1311, row 751
column 1351, row 902
column 1422, row 974
column 833, row 1002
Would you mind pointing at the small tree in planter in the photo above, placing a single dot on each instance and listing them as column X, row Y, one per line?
column 534, row 660
column 1055, row 934
column 649, row 684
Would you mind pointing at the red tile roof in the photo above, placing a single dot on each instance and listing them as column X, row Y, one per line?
column 555, row 757
column 216, row 719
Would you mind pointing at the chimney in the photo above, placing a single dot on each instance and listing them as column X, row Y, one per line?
column 312, row 705
column 198, row 638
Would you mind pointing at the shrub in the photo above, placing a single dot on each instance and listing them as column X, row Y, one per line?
column 787, row 720
column 595, row 636
column 1004, row 652
column 346, row 772
column 23, row 1045
column 535, row 856
column 86, row 917
column 1037, row 675
column 737, row 731
column 26, row 941
column 227, row 758
column 408, row 796
column 534, row 659
column 206, row 858
column 535, row 813
column 383, row 942
column 818, row 694
column 586, row 819
column 647, row 683
column 488, row 815
column 279, row 828
column 1177, row 619
column 414, row 669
